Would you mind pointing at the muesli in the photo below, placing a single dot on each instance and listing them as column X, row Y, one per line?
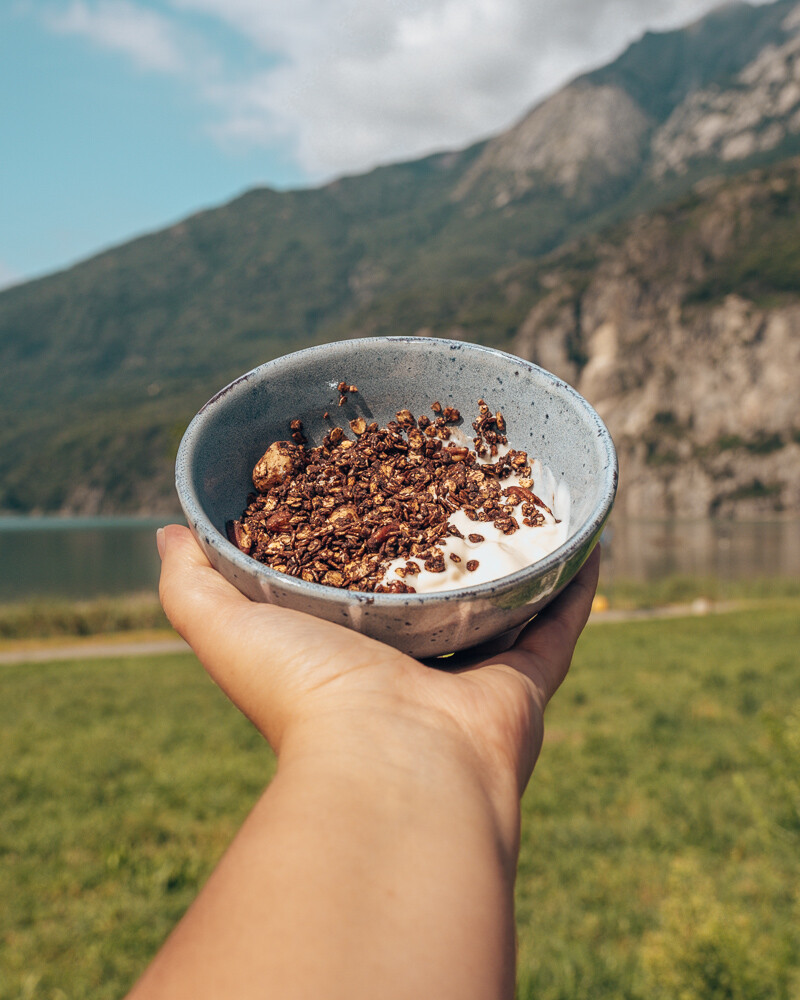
column 415, row 506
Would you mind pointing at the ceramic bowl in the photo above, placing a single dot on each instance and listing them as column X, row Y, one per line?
column 544, row 416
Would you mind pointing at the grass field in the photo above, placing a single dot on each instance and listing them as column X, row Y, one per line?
column 661, row 831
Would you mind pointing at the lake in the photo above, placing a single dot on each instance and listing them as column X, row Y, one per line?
column 77, row 558
column 91, row 557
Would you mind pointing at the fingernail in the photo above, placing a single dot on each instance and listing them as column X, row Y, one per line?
column 161, row 542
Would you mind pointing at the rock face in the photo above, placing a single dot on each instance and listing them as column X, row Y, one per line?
column 579, row 141
column 726, row 89
column 757, row 112
column 699, row 388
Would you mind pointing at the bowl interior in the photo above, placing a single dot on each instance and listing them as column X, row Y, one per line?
column 544, row 416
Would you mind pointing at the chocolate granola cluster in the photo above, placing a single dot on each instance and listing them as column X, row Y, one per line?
column 339, row 513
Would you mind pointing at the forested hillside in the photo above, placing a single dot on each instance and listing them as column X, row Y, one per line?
column 106, row 362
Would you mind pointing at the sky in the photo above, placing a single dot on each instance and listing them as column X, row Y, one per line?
column 119, row 117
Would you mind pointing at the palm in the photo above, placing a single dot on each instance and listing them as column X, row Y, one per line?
column 277, row 665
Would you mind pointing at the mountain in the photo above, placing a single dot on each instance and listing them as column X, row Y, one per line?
column 683, row 328
column 105, row 363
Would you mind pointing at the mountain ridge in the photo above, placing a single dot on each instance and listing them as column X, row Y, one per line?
column 112, row 356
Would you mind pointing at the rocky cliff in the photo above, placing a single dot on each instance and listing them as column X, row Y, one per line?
column 753, row 113
column 683, row 329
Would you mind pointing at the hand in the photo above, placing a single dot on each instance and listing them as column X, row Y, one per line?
column 382, row 856
column 285, row 669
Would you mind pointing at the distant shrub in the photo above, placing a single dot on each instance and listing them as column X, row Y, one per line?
column 41, row 619
column 728, row 442
column 760, row 444
column 755, row 490
column 764, row 444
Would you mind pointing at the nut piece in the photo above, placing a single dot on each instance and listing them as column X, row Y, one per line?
column 279, row 521
column 379, row 536
column 343, row 388
column 240, row 536
column 278, row 462
column 297, row 432
column 343, row 515
column 358, row 426
column 405, row 418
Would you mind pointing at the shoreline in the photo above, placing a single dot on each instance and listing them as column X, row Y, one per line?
column 151, row 642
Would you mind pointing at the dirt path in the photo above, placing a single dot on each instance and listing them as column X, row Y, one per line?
column 92, row 650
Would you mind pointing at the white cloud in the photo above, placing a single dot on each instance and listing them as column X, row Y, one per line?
column 359, row 84
column 144, row 35
column 346, row 84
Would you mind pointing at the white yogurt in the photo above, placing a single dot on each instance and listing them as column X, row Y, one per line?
column 498, row 554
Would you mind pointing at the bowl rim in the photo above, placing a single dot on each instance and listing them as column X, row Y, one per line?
column 202, row 525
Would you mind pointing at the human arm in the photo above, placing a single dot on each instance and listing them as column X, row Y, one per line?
column 381, row 858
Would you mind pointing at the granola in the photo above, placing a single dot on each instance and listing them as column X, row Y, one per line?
column 391, row 506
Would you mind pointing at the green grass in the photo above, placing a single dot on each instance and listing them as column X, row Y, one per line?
column 661, row 853
column 661, row 831
column 624, row 594
column 122, row 783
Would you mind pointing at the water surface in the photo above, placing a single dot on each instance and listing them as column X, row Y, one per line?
column 90, row 557
column 725, row 550
column 77, row 558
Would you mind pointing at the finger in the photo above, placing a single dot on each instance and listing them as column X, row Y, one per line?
column 190, row 589
column 210, row 613
column 245, row 647
column 544, row 649
column 264, row 657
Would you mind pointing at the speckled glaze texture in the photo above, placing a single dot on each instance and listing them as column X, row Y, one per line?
column 545, row 417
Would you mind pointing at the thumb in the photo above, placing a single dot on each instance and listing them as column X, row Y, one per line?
column 233, row 637
column 190, row 589
column 265, row 658
column 544, row 649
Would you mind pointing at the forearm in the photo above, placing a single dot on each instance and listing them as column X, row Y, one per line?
column 358, row 875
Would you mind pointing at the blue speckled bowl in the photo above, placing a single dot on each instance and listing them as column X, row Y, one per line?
column 545, row 417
